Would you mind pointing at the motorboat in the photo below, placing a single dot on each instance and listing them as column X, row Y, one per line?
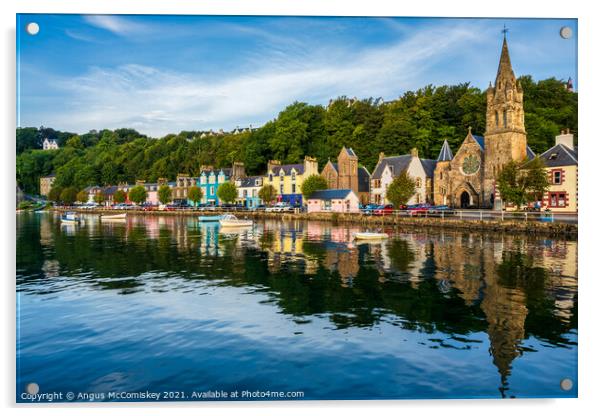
column 71, row 217
column 230, row 220
column 370, row 236
column 210, row 218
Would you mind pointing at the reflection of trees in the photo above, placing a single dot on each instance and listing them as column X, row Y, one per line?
column 462, row 283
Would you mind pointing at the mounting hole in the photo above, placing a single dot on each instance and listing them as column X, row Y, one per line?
column 32, row 388
column 32, row 28
column 566, row 384
column 566, row 32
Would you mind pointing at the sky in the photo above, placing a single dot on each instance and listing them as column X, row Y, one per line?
column 165, row 74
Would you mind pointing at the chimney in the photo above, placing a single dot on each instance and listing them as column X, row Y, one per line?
column 238, row 170
column 566, row 138
column 414, row 152
column 311, row 165
column 381, row 156
column 162, row 181
column 139, row 182
column 272, row 164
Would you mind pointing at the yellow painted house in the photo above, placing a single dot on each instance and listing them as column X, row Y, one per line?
column 288, row 179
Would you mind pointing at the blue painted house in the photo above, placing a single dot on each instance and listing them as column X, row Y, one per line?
column 210, row 179
column 248, row 191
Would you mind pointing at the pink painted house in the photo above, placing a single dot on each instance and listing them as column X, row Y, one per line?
column 333, row 200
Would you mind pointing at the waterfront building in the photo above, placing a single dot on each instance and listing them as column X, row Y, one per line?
column 46, row 184
column 562, row 168
column 248, row 191
column 346, row 173
column 92, row 191
column 183, row 184
column 210, row 179
column 49, row 144
column 467, row 179
column 333, row 200
column 288, row 179
column 390, row 167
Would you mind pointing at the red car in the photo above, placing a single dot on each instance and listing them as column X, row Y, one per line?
column 383, row 210
column 419, row 209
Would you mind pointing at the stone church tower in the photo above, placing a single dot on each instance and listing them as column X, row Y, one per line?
column 505, row 135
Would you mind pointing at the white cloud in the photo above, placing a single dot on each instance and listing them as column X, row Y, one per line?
column 116, row 24
column 157, row 101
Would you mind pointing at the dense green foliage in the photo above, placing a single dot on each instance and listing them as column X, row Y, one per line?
column 312, row 184
column 138, row 194
column 68, row 195
column 521, row 184
column 195, row 194
column 119, row 196
column 226, row 192
column 267, row 193
column 82, row 196
column 164, row 194
column 401, row 189
column 421, row 119
column 99, row 197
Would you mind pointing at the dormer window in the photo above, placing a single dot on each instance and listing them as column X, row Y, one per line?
column 271, row 177
column 281, row 173
column 293, row 175
column 553, row 156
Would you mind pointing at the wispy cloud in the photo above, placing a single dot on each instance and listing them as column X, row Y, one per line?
column 158, row 101
column 118, row 25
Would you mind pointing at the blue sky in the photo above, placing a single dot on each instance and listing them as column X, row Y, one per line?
column 164, row 74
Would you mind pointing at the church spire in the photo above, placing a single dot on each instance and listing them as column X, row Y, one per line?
column 504, row 69
column 445, row 154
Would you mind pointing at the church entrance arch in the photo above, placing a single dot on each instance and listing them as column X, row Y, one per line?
column 464, row 199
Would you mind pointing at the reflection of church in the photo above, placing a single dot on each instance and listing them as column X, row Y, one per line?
column 468, row 177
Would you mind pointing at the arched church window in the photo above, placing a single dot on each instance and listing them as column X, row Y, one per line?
column 505, row 118
column 497, row 119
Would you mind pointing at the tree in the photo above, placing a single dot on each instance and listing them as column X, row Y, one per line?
column 119, row 197
column 312, row 184
column 138, row 194
column 267, row 193
column 68, row 195
column 195, row 194
column 82, row 196
column 55, row 193
column 226, row 192
column 164, row 194
column 99, row 197
column 401, row 189
column 522, row 183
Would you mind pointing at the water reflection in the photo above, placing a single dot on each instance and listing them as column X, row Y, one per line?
column 453, row 285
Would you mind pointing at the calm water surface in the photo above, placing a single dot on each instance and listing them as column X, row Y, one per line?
column 167, row 304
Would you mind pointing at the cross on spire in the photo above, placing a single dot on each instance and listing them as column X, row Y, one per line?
column 505, row 30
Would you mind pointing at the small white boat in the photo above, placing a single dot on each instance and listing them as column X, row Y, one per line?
column 210, row 218
column 70, row 218
column 230, row 220
column 113, row 217
column 370, row 236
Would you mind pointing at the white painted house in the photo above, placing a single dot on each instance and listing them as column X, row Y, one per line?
column 389, row 168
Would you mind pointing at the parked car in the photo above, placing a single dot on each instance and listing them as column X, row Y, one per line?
column 279, row 207
column 207, row 207
column 419, row 209
column 89, row 205
column 444, row 209
column 369, row 208
column 384, row 210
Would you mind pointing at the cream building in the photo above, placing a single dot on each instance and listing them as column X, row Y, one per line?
column 563, row 174
column 389, row 168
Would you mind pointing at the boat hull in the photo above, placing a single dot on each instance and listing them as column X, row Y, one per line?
column 209, row 218
column 370, row 236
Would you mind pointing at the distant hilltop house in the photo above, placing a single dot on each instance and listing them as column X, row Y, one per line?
column 49, row 144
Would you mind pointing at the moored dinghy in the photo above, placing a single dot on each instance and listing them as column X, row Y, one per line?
column 113, row 217
column 70, row 217
column 370, row 236
column 230, row 220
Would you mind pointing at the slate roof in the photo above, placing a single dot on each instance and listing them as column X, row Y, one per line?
column 559, row 155
column 398, row 163
column 227, row 171
column 299, row 167
column 328, row 194
column 363, row 179
column 480, row 140
column 429, row 166
column 110, row 190
column 249, row 182
column 530, row 153
column 445, row 154
column 349, row 151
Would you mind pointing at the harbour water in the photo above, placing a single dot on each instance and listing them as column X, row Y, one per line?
column 166, row 304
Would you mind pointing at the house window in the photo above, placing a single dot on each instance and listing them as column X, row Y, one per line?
column 377, row 183
column 293, row 176
column 294, row 188
column 557, row 199
column 271, row 177
column 212, row 191
column 281, row 188
column 244, row 193
column 557, row 177
column 256, row 182
column 418, row 183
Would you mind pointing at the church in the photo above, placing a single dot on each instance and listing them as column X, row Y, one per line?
column 467, row 179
